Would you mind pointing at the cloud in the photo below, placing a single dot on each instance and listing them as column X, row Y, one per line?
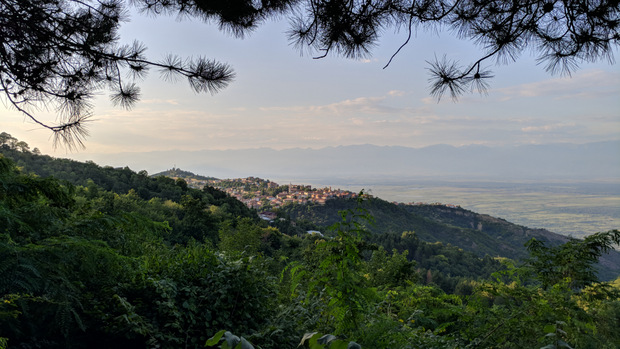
column 429, row 100
column 361, row 104
column 396, row 93
column 160, row 101
column 366, row 60
column 358, row 121
column 366, row 105
column 586, row 84
column 547, row 128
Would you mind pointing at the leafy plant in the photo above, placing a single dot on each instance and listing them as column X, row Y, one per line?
column 574, row 260
column 227, row 340
column 316, row 340
column 335, row 274
column 555, row 334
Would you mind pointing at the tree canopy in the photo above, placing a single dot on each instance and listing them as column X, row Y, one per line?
column 59, row 53
column 121, row 260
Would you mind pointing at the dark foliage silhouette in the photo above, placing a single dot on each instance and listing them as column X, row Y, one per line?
column 58, row 53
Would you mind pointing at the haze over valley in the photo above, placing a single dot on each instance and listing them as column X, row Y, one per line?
column 566, row 188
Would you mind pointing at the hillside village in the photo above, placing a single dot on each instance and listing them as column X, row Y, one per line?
column 265, row 195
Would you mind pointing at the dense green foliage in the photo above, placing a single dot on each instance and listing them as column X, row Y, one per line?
column 100, row 270
column 82, row 266
column 431, row 223
column 456, row 228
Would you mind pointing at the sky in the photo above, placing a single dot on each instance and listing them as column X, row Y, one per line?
column 282, row 99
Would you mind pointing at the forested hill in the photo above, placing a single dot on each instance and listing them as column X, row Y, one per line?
column 456, row 226
column 193, row 216
column 477, row 233
column 124, row 260
column 179, row 173
column 118, row 180
column 470, row 231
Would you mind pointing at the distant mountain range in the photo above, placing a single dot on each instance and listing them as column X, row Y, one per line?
column 562, row 161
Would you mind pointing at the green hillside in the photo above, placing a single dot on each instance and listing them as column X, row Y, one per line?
column 433, row 223
column 470, row 231
column 476, row 233
column 179, row 173
column 97, row 257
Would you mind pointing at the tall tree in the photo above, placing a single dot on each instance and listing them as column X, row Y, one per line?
column 573, row 261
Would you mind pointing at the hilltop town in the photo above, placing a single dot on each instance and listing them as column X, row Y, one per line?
column 264, row 195
column 261, row 194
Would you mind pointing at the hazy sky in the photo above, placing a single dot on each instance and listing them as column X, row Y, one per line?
column 281, row 99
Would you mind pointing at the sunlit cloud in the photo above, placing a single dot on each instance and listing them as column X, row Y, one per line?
column 160, row 101
column 312, row 138
column 396, row 93
column 365, row 105
column 547, row 128
column 428, row 100
column 587, row 84
column 361, row 104
column 357, row 121
column 368, row 60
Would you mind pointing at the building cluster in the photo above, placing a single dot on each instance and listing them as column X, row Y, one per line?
column 195, row 183
column 265, row 195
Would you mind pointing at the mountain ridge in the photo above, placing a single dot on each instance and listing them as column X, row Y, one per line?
column 589, row 161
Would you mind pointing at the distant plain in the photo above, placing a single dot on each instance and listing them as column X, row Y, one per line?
column 574, row 209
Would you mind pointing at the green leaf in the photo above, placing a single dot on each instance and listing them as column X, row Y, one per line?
column 326, row 339
column 549, row 329
column 215, row 339
column 353, row 345
column 563, row 344
column 307, row 337
column 338, row 344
